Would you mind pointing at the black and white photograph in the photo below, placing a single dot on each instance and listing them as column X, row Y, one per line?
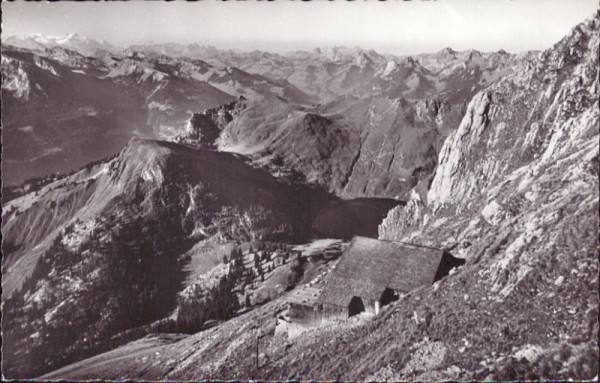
column 360, row 191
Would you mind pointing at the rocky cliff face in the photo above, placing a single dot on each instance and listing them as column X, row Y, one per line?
column 204, row 129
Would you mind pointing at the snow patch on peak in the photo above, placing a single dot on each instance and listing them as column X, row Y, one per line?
column 72, row 41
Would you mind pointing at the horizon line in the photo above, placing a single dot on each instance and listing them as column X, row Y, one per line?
column 124, row 46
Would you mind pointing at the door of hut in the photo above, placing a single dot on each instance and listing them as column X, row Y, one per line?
column 356, row 306
column 388, row 296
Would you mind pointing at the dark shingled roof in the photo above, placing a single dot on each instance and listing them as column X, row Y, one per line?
column 369, row 266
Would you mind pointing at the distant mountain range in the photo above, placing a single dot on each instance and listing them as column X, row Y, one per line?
column 83, row 45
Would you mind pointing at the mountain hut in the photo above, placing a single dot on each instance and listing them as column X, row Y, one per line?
column 372, row 273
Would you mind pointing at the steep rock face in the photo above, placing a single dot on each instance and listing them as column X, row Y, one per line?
column 448, row 185
column 203, row 130
column 15, row 78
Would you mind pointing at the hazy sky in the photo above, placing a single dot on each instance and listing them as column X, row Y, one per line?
column 394, row 26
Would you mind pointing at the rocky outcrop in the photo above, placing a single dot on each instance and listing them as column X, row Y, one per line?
column 15, row 79
column 493, row 213
column 204, row 129
column 402, row 218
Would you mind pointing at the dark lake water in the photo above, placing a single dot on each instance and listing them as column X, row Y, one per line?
column 345, row 219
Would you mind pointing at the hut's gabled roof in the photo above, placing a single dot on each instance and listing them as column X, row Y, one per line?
column 369, row 266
